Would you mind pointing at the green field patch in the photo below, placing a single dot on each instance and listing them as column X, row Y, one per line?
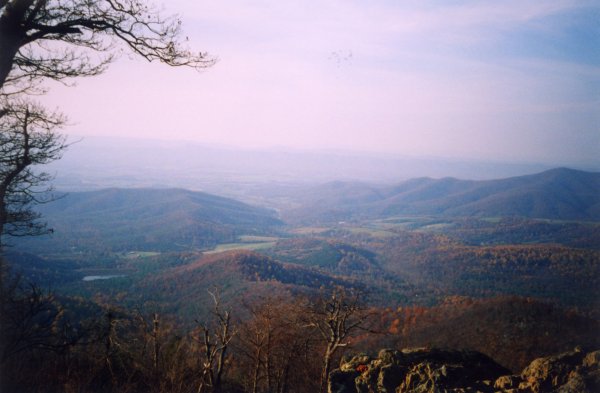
column 399, row 220
column 436, row 227
column 493, row 220
column 310, row 230
column 375, row 232
column 386, row 225
column 404, row 225
column 257, row 239
column 140, row 254
column 412, row 223
column 240, row 246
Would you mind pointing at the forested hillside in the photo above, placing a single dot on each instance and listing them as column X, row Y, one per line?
column 148, row 220
column 560, row 194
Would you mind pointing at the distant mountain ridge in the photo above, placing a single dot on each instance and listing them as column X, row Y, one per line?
column 101, row 162
column 562, row 194
column 171, row 219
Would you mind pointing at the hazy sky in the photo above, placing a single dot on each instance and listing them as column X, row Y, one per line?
column 516, row 80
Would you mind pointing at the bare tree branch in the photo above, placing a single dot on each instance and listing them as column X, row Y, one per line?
column 28, row 138
column 58, row 39
column 336, row 317
column 215, row 340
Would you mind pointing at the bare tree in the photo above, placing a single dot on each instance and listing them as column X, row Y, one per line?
column 259, row 341
column 34, row 329
column 28, row 138
column 277, row 347
column 215, row 341
column 161, row 356
column 336, row 317
column 29, row 319
column 61, row 39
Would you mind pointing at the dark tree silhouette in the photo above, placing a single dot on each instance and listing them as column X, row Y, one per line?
column 61, row 39
column 28, row 138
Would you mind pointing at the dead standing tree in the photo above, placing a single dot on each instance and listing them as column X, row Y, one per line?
column 215, row 341
column 336, row 317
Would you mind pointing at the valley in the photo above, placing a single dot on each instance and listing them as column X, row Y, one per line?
column 442, row 263
column 344, row 233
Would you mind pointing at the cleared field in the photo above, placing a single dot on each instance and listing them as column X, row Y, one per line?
column 257, row 239
column 310, row 230
column 240, row 246
column 140, row 254
column 375, row 232
column 436, row 227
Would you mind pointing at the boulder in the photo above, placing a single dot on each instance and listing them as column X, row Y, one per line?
column 506, row 382
column 553, row 371
column 569, row 372
column 425, row 370
column 354, row 362
column 592, row 359
column 417, row 370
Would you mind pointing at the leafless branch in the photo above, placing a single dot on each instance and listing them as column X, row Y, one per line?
column 58, row 39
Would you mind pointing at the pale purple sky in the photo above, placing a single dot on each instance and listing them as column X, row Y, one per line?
column 504, row 80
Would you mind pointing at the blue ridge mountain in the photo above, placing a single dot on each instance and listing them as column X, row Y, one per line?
column 559, row 194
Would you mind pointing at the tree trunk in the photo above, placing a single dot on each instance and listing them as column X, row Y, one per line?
column 219, row 373
column 221, row 360
column 256, row 371
column 326, row 368
column 283, row 384
column 155, row 324
column 268, row 360
column 12, row 34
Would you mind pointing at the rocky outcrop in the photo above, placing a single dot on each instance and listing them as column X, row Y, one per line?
column 436, row 370
column 416, row 370
column 574, row 371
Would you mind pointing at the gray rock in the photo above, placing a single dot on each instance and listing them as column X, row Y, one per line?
column 354, row 362
column 592, row 359
column 507, row 382
column 420, row 370
column 424, row 370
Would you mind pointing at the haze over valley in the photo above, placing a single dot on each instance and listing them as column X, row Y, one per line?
column 93, row 163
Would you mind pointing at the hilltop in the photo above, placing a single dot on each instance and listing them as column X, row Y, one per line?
column 240, row 276
column 559, row 194
column 148, row 219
